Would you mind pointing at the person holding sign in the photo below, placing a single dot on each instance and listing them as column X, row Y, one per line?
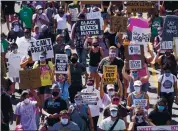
column 47, row 77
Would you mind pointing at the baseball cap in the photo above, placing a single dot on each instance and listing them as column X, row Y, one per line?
column 110, row 86
column 67, row 47
column 113, row 107
column 38, row 7
column 54, row 87
column 137, row 83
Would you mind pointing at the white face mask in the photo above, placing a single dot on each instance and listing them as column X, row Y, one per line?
column 111, row 93
column 113, row 113
column 137, row 89
column 40, row 11
column 64, row 121
column 112, row 54
column 90, row 88
column 16, row 28
column 27, row 100
column 15, row 51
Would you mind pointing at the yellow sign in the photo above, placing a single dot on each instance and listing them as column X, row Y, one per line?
column 110, row 74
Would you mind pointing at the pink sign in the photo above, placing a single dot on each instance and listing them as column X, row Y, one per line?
column 142, row 23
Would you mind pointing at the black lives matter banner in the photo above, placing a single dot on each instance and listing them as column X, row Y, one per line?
column 90, row 27
column 61, row 61
column 40, row 46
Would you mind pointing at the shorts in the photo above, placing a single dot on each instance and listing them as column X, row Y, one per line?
column 93, row 69
column 44, row 90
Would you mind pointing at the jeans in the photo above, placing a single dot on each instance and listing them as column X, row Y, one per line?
column 170, row 99
column 82, row 54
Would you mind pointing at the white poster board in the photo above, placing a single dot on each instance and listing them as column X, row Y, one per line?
column 176, row 46
column 158, row 128
column 74, row 13
column 40, row 46
column 61, row 62
column 14, row 65
column 134, row 50
column 140, row 102
column 135, row 64
column 89, row 98
column 141, row 35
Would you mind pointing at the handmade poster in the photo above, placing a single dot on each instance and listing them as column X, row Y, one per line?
column 139, row 22
column 74, row 14
column 24, row 45
column 110, row 74
column 89, row 98
column 93, row 15
column 141, row 35
column 158, row 128
column 170, row 28
column 138, row 6
column 134, row 55
column 166, row 45
column 40, row 46
column 119, row 24
column 61, row 61
column 14, row 65
column 90, row 27
column 176, row 46
column 30, row 79
column 140, row 102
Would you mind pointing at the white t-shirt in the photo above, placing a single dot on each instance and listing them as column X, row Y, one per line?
column 107, row 123
column 106, row 100
column 167, row 82
column 95, row 109
column 61, row 21
column 27, row 115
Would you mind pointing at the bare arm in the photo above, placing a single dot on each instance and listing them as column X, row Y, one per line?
column 147, row 76
column 148, row 102
column 45, row 113
column 17, row 119
column 109, row 8
column 120, row 87
column 101, row 89
column 159, row 88
column 125, row 75
column 102, row 52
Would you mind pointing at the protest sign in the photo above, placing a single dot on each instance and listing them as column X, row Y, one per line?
column 170, row 28
column 40, row 46
column 158, row 128
column 61, row 61
column 138, row 6
column 89, row 98
column 176, row 46
column 119, row 24
column 140, row 102
column 89, row 27
column 166, row 45
column 141, row 35
column 139, row 22
column 134, row 55
column 93, row 15
column 110, row 74
column 74, row 13
column 30, row 79
column 14, row 65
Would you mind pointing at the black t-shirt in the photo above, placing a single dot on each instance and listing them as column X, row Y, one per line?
column 54, row 106
column 13, row 35
column 6, row 106
column 159, row 118
column 111, row 38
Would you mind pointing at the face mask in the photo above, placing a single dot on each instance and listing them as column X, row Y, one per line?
column 16, row 28
column 137, row 89
column 26, row 101
column 117, row 11
column 27, row 35
column 42, row 59
column 114, row 113
column 112, row 54
column 15, row 51
column 68, row 52
column 60, row 80
column 64, row 121
column 111, row 93
column 40, row 11
column 55, row 94
column 135, row 74
column 161, row 108
column 90, row 88
column 73, row 60
column 78, row 102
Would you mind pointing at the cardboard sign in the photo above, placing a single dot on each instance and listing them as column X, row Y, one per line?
column 89, row 98
column 170, row 28
column 142, row 23
column 39, row 46
column 30, row 79
column 14, row 65
column 61, row 61
column 158, row 128
column 140, row 102
column 141, row 35
column 134, row 54
column 138, row 6
column 89, row 27
column 119, row 24
column 110, row 74
column 93, row 15
column 74, row 13
column 176, row 46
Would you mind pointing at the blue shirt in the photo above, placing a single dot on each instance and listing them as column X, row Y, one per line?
column 64, row 90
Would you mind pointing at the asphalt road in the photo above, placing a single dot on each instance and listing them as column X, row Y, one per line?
column 152, row 89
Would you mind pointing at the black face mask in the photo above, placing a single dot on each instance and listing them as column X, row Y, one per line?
column 156, row 15
column 74, row 60
column 27, row 34
column 55, row 94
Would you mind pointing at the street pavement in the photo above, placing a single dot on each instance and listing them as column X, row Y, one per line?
column 151, row 92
